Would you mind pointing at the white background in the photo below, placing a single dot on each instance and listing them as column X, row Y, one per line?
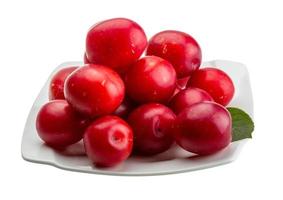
column 36, row 36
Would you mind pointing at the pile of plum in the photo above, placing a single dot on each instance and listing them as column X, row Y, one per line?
column 121, row 102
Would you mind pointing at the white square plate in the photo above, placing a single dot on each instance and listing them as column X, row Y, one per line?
column 175, row 160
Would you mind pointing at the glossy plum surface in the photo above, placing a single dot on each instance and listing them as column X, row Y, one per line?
column 216, row 82
column 188, row 97
column 94, row 90
column 58, row 125
column 179, row 48
column 153, row 128
column 56, row 86
column 151, row 79
column 203, row 128
column 108, row 141
column 116, row 43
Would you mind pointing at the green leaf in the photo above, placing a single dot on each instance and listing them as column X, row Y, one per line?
column 242, row 124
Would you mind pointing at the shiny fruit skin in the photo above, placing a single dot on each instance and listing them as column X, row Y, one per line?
column 58, row 125
column 94, row 90
column 151, row 79
column 108, row 141
column 56, row 86
column 186, row 98
column 116, row 43
column 179, row 48
column 153, row 128
column 203, row 128
column 216, row 82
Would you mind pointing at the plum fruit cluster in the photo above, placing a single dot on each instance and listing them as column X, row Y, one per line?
column 121, row 102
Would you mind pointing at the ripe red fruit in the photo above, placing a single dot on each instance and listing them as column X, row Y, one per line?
column 188, row 97
column 58, row 125
column 204, row 128
column 116, row 43
column 56, row 86
column 108, row 141
column 179, row 48
column 94, row 90
column 151, row 79
column 153, row 128
column 216, row 82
